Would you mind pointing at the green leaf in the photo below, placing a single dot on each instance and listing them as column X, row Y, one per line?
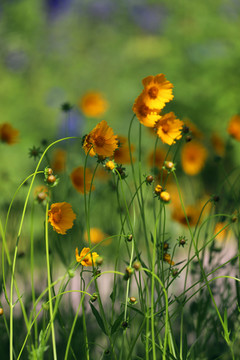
column 117, row 323
column 98, row 318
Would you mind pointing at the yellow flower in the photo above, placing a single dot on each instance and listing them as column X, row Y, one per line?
column 223, row 233
column 192, row 212
column 93, row 104
column 8, row 134
column 96, row 236
column 193, row 157
column 102, row 139
column 157, row 91
column 167, row 258
column 110, row 165
column 121, row 154
column 77, row 177
column 61, row 217
column 59, row 160
column 86, row 257
column 169, row 128
column 158, row 189
column 145, row 115
column 234, row 127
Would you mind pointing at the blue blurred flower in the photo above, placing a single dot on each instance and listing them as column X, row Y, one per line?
column 71, row 123
column 149, row 17
column 57, row 7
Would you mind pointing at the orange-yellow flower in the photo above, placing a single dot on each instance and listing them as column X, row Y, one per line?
column 110, row 165
column 145, row 115
column 61, row 217
column 169, row 128
column 234, row 127
column 193, row 157
column 218, row 144
column 192, row 212
column 157, row 91
column 121, row 155
column 223, row 233
column 86, row 258
column 77, row 177
column 59, row 160
column 102, row 140
column 96, row 236
column 93, row 104
column 8, row 134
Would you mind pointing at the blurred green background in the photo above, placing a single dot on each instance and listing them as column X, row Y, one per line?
column 53, row 51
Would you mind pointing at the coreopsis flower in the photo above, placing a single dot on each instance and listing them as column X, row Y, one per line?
column 234, row 127
column 157, row 91
column 77, row 178
column 86, row 258
column 96, row 236
column 121, row 154
column 192, row 212
column 59, row 160
column 102, row 140
column 218, row 144
column 145, row 115
column 169, row 128
column 193, row 157
column 8, row 134
column 61, row 217
column 223, row 233
column 167, row 258
column 93, row 104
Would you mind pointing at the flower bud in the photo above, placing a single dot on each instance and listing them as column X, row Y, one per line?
column 158, row 189
column 137, row 265
column 149, row 179
column 129, row 237
column 165, row 196
column 1, row 311
column 132, row 300
column 51, row 179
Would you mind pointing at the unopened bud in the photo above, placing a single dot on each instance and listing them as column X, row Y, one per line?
column 1, row 311
column 137, row 265
column 51, row 179
column 149, row 179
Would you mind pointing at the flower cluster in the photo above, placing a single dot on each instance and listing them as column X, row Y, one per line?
column 149, row 104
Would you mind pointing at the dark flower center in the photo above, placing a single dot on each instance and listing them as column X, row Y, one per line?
column 153, row 92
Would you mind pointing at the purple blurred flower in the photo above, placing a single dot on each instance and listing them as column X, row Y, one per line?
column 57, row 7
column 149, row 17
column 71, row 124
column 102, row 9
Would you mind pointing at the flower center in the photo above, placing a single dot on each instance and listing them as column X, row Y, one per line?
column 165, row 128
column 57, row 216
column 100, row 141
column 153, row 92
column 143, row 110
